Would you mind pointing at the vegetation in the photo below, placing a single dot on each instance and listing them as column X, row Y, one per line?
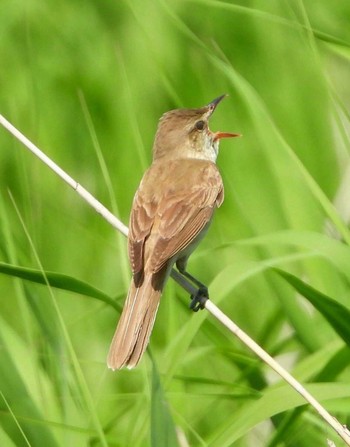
column 87, row 82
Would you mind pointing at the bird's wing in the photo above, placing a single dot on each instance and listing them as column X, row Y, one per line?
column 142, row 217
column 172, row 205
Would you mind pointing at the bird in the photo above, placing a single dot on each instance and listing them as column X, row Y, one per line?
column 171, row 212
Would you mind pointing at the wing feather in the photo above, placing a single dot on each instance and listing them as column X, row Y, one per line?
column 174, row 202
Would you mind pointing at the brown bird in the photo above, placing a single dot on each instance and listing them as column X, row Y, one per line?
column 171, row 213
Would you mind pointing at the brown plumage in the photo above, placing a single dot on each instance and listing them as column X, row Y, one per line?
column 171, row 212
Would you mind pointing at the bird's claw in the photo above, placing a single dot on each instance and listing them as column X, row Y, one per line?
column 199, row 299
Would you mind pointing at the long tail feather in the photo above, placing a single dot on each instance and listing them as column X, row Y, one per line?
column 136, row 322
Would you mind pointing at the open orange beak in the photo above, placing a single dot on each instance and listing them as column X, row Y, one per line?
column 219, row 135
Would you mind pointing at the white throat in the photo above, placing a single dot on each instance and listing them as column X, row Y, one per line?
column 209, row 152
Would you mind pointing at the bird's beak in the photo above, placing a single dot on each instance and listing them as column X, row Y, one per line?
column 212, row 105
column 219, row 135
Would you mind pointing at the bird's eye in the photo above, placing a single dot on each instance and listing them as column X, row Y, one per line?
column 200, row 125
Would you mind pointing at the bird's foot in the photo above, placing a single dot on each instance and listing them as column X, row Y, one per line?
column 199, row 299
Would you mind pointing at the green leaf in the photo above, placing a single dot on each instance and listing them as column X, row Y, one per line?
column 163, row 432
column 17, row 398
column 335, row 313
column 332, row 250
column 58, row 281
column 277, row 399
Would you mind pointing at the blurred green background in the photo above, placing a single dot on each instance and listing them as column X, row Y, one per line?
column 87, row 82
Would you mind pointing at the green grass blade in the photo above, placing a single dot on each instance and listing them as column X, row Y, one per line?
column 163, row 432
column 16, row 396
column 57, row 280
column 269, row 405
column 335, row 313
column 332, row 250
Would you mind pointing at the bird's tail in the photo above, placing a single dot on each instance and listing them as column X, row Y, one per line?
column 136, row 322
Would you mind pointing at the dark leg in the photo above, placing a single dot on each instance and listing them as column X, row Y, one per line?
column 201, row 296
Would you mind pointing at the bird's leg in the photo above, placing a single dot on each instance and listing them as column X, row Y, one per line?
column 199, row 299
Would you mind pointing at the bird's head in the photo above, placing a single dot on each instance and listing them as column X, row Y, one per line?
column 185, row 133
